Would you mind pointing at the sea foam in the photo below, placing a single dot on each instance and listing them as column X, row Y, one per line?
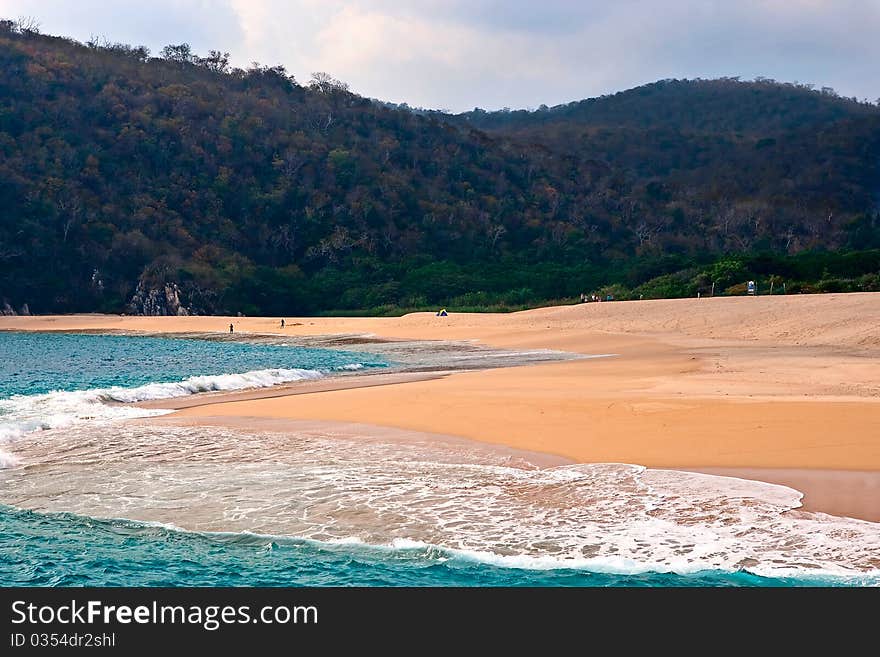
column 22, row 414
column 222, row 382
column 459, row 501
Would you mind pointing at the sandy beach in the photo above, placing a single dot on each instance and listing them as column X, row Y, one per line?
column 783, row 389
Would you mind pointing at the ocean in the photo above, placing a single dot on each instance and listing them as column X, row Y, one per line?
column 94, row 491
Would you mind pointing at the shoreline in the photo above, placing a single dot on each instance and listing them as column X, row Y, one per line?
column 305, row 387
column 784, row 388
column 586, row 411
column 848, row 493
column 843, row 493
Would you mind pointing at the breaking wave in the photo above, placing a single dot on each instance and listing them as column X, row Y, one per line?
column 22, row 414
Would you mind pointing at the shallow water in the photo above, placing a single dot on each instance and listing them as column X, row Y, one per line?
column 35, row 363
column 56, row 380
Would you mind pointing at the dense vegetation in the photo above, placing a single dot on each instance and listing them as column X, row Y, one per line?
column 122, row 174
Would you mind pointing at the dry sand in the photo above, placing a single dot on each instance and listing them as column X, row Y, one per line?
column 787, row 383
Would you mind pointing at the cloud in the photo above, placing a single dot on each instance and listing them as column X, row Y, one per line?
column 458, row 54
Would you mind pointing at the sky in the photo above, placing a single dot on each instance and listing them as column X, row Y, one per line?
column 461, row 54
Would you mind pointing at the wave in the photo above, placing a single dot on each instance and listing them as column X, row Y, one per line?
column 215, row 383
column 625, row 566
column 433, row 552
column 404, row 551
column 456, row 500
column 23, row 414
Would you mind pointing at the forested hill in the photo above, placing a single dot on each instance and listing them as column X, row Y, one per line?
column 131, row 182
column 761, row 108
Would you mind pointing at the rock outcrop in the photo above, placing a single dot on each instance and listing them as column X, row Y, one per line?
column 162, row 300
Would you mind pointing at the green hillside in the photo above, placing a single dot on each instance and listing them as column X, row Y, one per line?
column 131, row 182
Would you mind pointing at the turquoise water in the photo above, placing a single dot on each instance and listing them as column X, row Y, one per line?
column 33, row 363
column 68, row 550
column 89, row 498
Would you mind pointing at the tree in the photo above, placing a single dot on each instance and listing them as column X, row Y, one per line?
column 215, row 61
column 724, row 272
column 326, row 83
column 180, row 54
column 27, row 25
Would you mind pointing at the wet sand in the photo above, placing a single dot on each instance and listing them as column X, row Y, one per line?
column 853, row 493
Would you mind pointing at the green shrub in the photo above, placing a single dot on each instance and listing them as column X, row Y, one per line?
column 669, row 286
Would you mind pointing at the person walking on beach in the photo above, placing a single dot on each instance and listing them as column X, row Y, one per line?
column 231, row 328
column 282, row 323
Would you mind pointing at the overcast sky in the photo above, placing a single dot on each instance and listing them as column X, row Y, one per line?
column 460, row 54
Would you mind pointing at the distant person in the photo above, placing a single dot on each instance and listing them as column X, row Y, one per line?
column 231, row 328
column 282, row 323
